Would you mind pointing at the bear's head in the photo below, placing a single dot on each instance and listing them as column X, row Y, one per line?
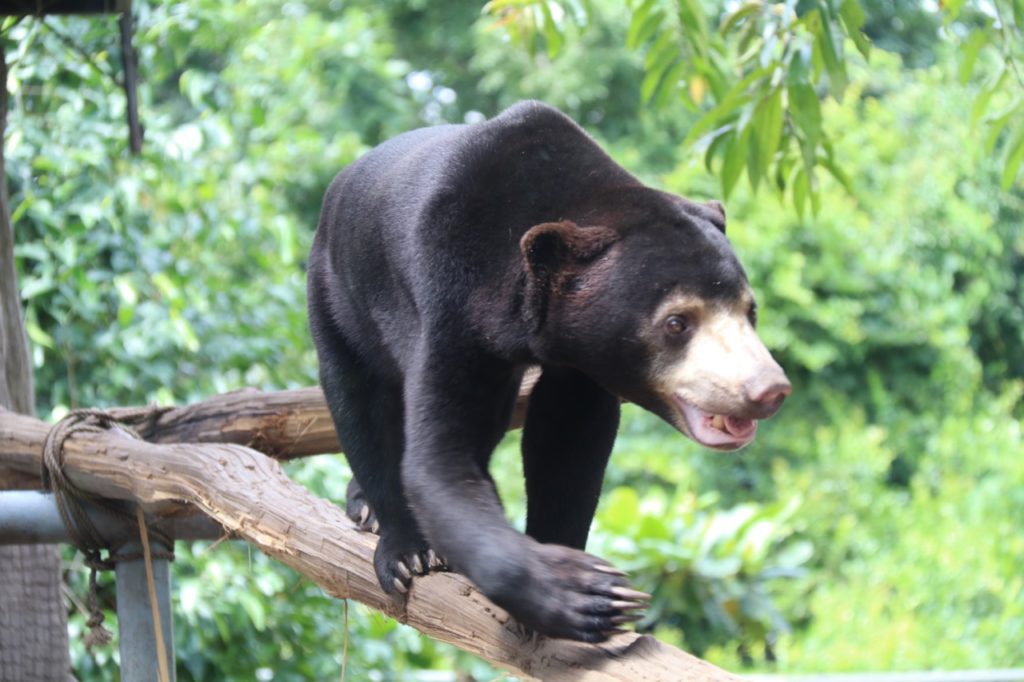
column 644, row 294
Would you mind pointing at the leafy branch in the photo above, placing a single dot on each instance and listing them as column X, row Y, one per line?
column 758, row 74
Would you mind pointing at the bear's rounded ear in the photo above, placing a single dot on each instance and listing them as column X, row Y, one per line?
column 549, row 247
column 716, row 214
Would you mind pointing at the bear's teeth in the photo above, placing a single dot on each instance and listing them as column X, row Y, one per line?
column 718, row 421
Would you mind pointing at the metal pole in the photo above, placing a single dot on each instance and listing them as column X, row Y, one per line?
column 29, row 517
column 136, row 635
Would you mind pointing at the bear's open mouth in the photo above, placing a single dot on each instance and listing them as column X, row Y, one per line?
column 719, row 431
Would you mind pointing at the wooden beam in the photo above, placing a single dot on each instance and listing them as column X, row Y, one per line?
column 39, row 8
column 249, row 494
column 283, row 424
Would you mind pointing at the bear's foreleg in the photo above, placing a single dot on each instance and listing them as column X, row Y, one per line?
column 457, row 409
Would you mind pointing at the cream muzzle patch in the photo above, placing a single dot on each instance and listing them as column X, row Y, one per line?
column 724, row 380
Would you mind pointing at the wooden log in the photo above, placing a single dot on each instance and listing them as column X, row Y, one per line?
column 249, row 494
column 283, row 424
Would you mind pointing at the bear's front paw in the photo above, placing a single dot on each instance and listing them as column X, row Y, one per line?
column 573, row 595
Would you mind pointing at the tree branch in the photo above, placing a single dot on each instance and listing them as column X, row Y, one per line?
column 249, row 494
column 283, row 424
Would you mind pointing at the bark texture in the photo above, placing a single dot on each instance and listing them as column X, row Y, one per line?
column 250, row 496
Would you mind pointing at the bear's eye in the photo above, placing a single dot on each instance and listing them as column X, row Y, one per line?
column 677, row 324
column 752, row 314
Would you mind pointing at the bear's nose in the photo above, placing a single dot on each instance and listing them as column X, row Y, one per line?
column 767, row 392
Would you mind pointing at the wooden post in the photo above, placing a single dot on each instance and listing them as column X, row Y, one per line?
column 131, row 81
column 33, row 620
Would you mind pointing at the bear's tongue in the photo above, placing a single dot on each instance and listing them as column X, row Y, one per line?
column 734, row 426
column 738, row 426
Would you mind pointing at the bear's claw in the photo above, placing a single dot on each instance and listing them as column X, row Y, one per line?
column 400, row 558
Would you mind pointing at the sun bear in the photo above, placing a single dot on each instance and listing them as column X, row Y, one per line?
column 450, row 259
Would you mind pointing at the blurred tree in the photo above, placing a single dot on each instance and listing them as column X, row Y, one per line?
column 906, row 27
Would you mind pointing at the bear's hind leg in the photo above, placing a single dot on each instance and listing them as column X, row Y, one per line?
column 568, row 435
column 357, row 508
column 368, row 415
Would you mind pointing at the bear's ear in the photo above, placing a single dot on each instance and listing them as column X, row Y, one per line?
column 716, row 214
column 550, row 247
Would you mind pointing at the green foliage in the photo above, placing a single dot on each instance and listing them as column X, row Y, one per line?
column 711, row 571
column 758, row 72
column 879, row 512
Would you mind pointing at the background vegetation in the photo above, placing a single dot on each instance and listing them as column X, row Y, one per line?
column 875, row 525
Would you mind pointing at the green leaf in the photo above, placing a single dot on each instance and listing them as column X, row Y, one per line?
column 734, row 99
column 794, row 555
column 813, row 193
column 37, row 335
column 691, row 16
column 852, row 15
column 254, row 608
column 768, row 121
column 828, row 161
column 714, row 141
column 740, row 13
column 1014, row 159
column 996, row 124
column 805, row 111
column 552, row 32
column 800, row 191
column 36, row 286
column 980, row 106
column 658, row 60
column 755, row 163
column 732, row 165
column 978, row 39
column 653, row 80
column 646, row 20
column 668, row 84
column 833, row 59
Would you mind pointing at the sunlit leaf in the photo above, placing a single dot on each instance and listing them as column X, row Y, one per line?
column 978, row 39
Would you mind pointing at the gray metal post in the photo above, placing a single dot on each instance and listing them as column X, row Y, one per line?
column 136, row 635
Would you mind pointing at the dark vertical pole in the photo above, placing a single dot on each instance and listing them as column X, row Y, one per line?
column 131, row 81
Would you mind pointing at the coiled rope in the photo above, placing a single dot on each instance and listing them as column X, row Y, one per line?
column 70, row 499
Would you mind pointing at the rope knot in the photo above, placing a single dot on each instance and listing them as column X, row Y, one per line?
column 85, row 537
